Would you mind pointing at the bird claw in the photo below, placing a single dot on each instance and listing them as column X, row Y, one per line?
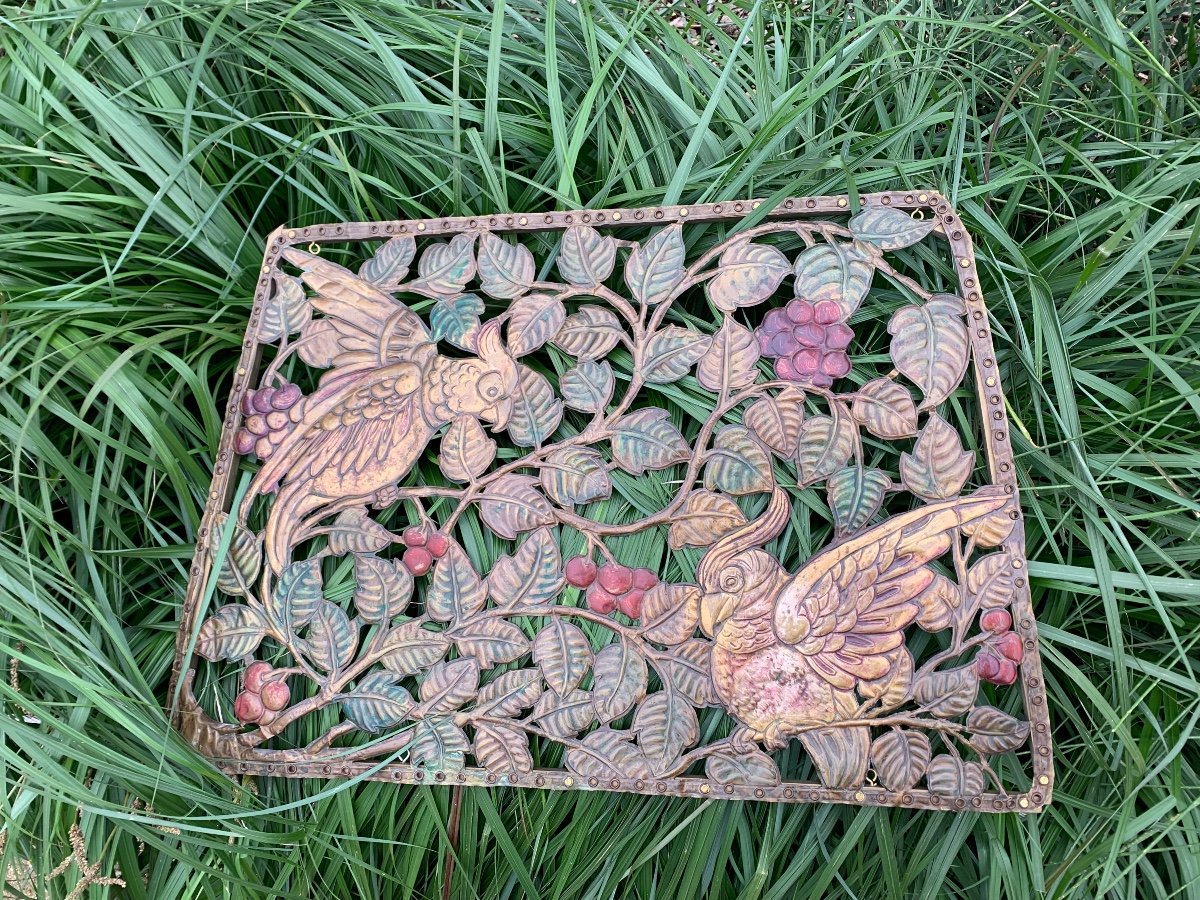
column 741, row 742
column 385, row 497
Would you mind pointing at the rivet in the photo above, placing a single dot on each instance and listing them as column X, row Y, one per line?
column 242, row 370
column 789, row 203
column 860, row 796
column 1016, row 563
column 569, row 219
column 593, row 781
column 757, row 203
column 887, row 201
column 811, row 204
column 842, row 201
column 759, row 793
column 266, row 269
column 615, row 783
column 970, row 282
column 420, row 226
column 639, row 784
column 587, row 217
column 1043, row 779
column 471, row 224
column 704, row 789
column 682, row 212
column 729, row 788
column 292, row 233
column 491, row 779
column 522, row 221
column 923, row 197
column 737, row 207
column 662, row 787
column 568, row 782
column 1023, row 803
column 964, row 263
column 639, row 214
column 508, row 220
column 548, row 219
column 908, row 198
column 717, row 208
column 990, row 382
column 539, row 781
column 658, row 214
column 616, row 217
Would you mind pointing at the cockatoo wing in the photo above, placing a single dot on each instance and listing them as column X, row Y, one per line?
column 847, row 608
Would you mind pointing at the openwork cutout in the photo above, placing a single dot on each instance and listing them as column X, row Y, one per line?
column 490, row 631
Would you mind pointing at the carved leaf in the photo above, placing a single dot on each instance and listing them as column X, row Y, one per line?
column 938, row 467
column 409, row 648
column 672, row 352
column 505, row 270
column 286, row 311
column 296, row 597
column 377, row 702
column 564, row 716
column 445, row 268
column 585, row 257
column 502, row 749
column 564, row 655
column 319, row 343
column 389, row 266
column 840, row 272
column 951, row 776
column 747, row 274
column 889, row 229
column 438, row 744
column 991, row 530
column 655, row 269
column 855, row 495
column 665, row 725
column 900, row 758
column 455, row 588
column 777, row 420
column 939, row 603
column 840, row 754
column 992, row 580
column 513, row 504
column 354, row 531
column 737, row 463
column 885, row 409
column 243, row 559
column 466, row 450
column 704, row 518
column 491, row 642
column 930, row 346
column 448, row 685
column 826, row 443
column 948, row 693
column 575, row 475
column 536, row 411
column 532, row 321
column 510, row 693
column 995, row 731
column 590, row 333
column 331, row 637
column 647, row 439
column 670, row 613
column 620, row 680
column 384, row 588
column 891, row 689
column 607, row 754
column 690, row 671
column 455, row 319
column 532, row 576
column 232, row 632
column 753, row 768
column 588, row 386
column 732, row 360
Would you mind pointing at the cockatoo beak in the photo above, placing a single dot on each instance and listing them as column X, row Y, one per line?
column 499, row 414
column 715, row 609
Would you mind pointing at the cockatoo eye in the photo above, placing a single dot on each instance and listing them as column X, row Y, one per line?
column 491, row 386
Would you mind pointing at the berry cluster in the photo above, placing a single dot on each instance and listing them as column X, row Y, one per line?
column 997, row 660
column 267, row 420
column 423, row 549
column 808, row 341
column 612, row 586
column 262, row 696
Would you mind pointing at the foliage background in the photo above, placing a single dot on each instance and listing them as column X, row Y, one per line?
column 146, row 149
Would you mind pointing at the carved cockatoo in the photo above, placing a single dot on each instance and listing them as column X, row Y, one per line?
column 387, row 393
column 789, row 650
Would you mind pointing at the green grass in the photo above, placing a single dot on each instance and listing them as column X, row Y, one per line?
column 146, row 149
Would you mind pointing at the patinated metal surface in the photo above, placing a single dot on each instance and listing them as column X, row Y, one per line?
column 490, row 632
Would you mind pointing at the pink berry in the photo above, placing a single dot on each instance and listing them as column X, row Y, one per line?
column 418, row 560
column 996, row 621
column 827, row 312
column 835, row 364
column 275, row 694
column 800, row 311
column 987, row 666
column 247, row 707
column 287, row 396
column 809, row 335
column 784, row 344
column 268, row 716
column 263, row 448
column 806, row 362
column 262, row 400
column 252, row 678
column 644, row 579
column 580, row 571
column 630, row 603
column 600, row 601
column 1007, row 673
column 838, row 336
column 243, row 442
column 248, row 404
column 257, row 425
column 414, row 537
column 1010, row 645
column 615, row 578
column 277, row 419
column 437, row 545
column 784, row 369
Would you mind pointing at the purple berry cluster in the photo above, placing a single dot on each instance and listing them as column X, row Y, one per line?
column 807, row 341
column 267, row 420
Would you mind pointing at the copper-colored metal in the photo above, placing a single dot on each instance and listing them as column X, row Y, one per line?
column 871, row 655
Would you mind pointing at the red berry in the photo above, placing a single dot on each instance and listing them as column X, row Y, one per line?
column 810, row 335
column 414, row 537
column 800, row 311
column 243, row 442
column 826, row 312
column 615, row 578
column 838, row 336
column 275, row 694
column 785, row 370
column 263, row 448
column 644, row 579
column 247, row 707
column 600, row 601
column 630, row 603
column 287, row 396
column 252, row 678
column 248, row 404
column 987, row 666
column 1007, row 673
column 1010, row 645
column 835, row 364
column 418, row 560
column 784, row 344
column 277, row 419
column 437, row 545
column 580, row 571
column 263, row 398
column 806, row 362
column 996, row 621
column 257, row 425
column 268, row 716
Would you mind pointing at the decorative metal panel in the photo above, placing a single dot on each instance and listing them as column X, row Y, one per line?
column 430, row 529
